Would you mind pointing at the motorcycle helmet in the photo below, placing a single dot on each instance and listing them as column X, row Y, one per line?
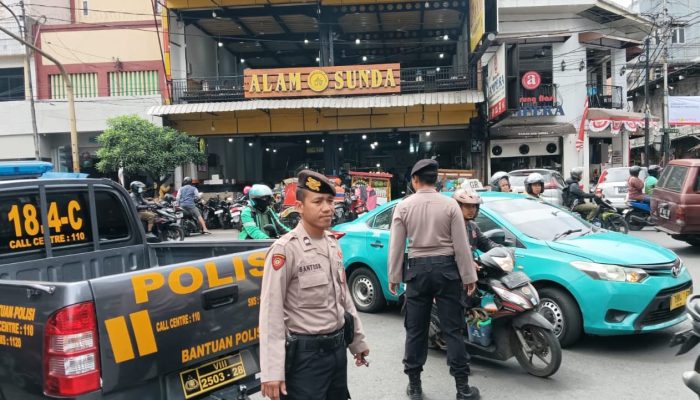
column 187, row 181
column 246, row 190
column 576, row 173
column 169, row 198
column 532, row 179
column 496, row 179
column 634, row 170
column 260, row 196
column 499, row 257
column 468, row 197
column 654, row 170
column 137, row 187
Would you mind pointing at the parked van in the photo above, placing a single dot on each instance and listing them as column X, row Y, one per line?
column 675, row 203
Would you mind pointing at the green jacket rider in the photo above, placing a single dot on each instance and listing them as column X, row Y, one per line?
column 258, row 213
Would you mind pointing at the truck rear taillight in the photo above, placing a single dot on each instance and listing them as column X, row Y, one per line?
column 71, row 351
column 680, row 215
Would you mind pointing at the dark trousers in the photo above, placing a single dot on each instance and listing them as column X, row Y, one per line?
column 318, row 375
column 442, row 283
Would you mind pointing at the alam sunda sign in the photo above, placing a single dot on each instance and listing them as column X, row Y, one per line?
column 323, row 81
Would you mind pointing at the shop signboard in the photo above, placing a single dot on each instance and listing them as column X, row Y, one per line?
column 496, row 83
column 477, row 23
column 684, row 110
column 322, row 81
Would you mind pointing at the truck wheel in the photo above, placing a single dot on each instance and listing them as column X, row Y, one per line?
column 562, row 311
column 172, row 234
column 366, row 291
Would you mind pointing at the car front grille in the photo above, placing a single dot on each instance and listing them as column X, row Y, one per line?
column 659, row 310
column 658, row 269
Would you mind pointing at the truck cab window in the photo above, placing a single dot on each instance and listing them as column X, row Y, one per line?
column 112, row 222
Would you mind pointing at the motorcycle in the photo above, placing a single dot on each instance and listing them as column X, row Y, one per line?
column 515, row 328
column 166, row 228
column 235, row 211
column 638, row 215
column 211, row 213
column 607, row 216
column 357, row 206
column 687, row 340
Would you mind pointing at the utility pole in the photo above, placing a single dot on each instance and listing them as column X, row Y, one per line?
column 30, row 86
column 666, row 143
column 69, row 95
column 647, row 43
column 22, row 27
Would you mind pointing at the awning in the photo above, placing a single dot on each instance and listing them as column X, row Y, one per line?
column 616, row 115
column 602, row 119
column 601, row 39
column 403, row 100
column 515, row 131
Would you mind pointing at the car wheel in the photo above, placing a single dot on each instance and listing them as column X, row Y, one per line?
column 560, row 309
column 366, row 291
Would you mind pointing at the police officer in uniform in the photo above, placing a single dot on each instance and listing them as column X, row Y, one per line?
column 440, row 267
column 307, row 316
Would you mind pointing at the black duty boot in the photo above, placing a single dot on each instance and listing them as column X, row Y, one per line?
column 464, row 391
column 414, row 390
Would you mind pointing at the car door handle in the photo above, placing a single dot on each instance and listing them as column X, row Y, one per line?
column 377, row 244
column 219, row 297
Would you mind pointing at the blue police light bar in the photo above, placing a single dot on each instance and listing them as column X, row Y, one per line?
column 23, row 169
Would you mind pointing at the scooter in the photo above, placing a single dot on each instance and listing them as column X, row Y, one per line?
column 166, row 228
column 235, row 211
column 515, row 328
column 638, row 215
column 607, row 216
column 687, row 340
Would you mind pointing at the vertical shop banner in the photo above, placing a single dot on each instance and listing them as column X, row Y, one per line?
column 684, row 110
column 477, row 23
column 496, row 83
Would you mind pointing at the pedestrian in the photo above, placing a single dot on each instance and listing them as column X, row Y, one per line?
column 307, row 316
column 440, row 267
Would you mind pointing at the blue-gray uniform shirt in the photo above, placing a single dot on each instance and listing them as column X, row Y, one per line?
column 187, row 195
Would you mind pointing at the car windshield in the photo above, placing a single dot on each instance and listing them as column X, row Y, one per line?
column 539, row 220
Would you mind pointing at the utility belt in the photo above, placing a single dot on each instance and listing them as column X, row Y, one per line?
column 326, row 342
column 422, row 261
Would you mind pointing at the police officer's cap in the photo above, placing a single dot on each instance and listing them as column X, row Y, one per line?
column 425, row 165
column 315, row 182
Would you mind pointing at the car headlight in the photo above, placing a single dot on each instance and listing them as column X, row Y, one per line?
column 511, row 297
column 609, row 272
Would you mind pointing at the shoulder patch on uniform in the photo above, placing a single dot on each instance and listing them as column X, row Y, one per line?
column 278, row 261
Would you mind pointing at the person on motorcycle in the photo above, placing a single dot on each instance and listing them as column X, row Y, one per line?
column 534, row 185
column 500, row 182
column 652, row 179
column 143, row 206
column 635, row 186
column 469, row 202
column 258, row 215
column 576, row 198
column 187, row 197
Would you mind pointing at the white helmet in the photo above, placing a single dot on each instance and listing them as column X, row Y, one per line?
column 496, row 179
column 532, row 179
column 467, row 197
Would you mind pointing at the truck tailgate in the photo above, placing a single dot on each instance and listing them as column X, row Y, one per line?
column 190, row 328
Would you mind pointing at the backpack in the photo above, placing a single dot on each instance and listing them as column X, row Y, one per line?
column 566, row 197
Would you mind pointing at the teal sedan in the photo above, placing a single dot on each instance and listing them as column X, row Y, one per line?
column 590, row 280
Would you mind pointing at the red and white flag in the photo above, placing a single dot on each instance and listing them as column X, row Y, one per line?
column 582, row 127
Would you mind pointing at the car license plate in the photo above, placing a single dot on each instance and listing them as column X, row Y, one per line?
column 678, row 299
column 218, row 212
column 621, row 189
column 212, row 375
column 665, row 213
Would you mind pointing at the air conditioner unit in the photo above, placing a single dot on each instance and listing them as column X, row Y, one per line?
column 505, row 149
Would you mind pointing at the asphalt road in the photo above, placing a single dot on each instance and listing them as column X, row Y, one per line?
column 623, row 367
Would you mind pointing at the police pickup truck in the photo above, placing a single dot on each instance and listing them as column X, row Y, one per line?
column 89, row 310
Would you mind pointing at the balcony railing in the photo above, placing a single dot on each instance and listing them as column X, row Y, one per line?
column 605, row 96
column 230, row 88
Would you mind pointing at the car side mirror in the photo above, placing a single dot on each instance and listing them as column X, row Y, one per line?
column 497, row 235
